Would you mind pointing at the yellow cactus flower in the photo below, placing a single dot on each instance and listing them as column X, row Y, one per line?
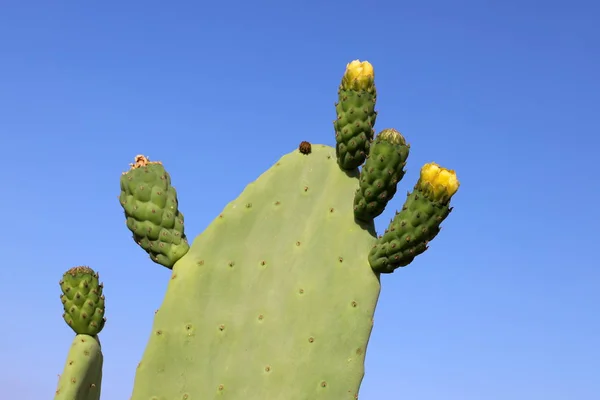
column 359, row 76
column 438, row 183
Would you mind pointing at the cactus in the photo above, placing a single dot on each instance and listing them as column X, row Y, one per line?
column 419, row 221
column 380, row 174
column 152, row 211
column 82, row 376
column 275, row 299
column 356, row 114
column 83, row 303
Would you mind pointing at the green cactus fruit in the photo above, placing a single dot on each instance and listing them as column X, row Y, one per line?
column 275, row 299
column 356, row 115
column 380, row 175
column 151, row 208
column 419, row 221
column 83, row 301
column 82, row 375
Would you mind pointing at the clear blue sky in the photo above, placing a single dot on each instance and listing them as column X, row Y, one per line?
column 504, row 305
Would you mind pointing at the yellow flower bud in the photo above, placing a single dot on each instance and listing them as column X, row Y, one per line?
column 438, row 183
column 359, row 76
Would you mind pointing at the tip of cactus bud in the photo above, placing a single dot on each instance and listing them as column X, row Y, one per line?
column 82, row 269
column 141, row 161
column 359, row 75
column 438, row 182
column 391, row 135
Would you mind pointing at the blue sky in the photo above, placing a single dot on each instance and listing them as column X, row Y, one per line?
column 504, row 305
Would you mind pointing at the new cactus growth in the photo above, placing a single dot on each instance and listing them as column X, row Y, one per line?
column 356, row 114
column 152, row 211
column 380, row 175
column 83, row 304
column 83, row 301
column 419, row 221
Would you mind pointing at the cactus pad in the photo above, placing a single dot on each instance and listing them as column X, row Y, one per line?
column 152, row 211
column 275, row 299
column 82, row 376
column 380, row 175
column 83, row 301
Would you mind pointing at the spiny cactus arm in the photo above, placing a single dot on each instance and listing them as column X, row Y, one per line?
column 152, row 211
column 381, row 174
column 82, row 375
column 356, row 115
column 418, row 222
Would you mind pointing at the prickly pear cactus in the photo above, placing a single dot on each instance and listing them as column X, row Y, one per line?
column 275, row 299
column 83, row 303
column 356, row 114
column 418, row 222
column 380, row 175
column 152, row 211
column 82, row 376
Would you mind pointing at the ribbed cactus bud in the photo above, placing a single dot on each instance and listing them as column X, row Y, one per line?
column 83, row 301
column 356, row 115
column 411, row 230
column 380, row 175
column 152, row 211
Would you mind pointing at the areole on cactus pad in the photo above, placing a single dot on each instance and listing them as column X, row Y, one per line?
column 275, row 299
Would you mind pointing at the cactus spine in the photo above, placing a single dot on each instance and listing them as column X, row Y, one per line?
column 83, row 303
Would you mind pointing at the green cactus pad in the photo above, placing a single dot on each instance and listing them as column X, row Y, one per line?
column 151, row 208
column 354, row 132
column 380, row 175
column 275, row 300
column 83, row 301
column 82, row 376
column 408, row 233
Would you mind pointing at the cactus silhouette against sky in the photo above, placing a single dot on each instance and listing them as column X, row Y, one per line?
column 275, row 299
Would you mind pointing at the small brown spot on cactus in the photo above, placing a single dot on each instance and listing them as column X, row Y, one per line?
column 248, row 205
column 221, row 216
column 306, row 188
column 159, row 332
column 200, row 263
column 260, row 317
column 173, row 276
column 354, row 304
column 263, row 262
column 311, row 339
column 231, row 263
column 301, row 291
column 221, row 387
column 73, row 380
column 408, row 238
column 323, row 384
column 268, row 368
column 298, row 243
column 340, row 259
column 185, row 396
column 331, row 210
column 221, row 327
column 277, row 203
column 188, row 327
column 155, row 312
column 305, row 147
